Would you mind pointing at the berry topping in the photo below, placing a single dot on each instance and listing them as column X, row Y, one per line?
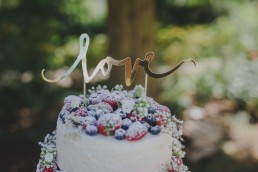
column 151, row 110
column 133, row 116
column 152, row 102
column 95, row 114
column 146, row 125
column 120, row 134
column 99, row 112
column 120, row 112
column 94, row 98
column 159, row 119
column 126, row 123
column 77, row 120
column 50, row 169
column 89, row 120
column 105, row 107
column 136, row 131
column 108, row 123
column 155, row 130
column 81, row 111
column 164, row 109
column 127, row 104
column 112, row 99
column 110, row 110
column 150, row 119
column 70, row 107
column 162, row 118
column 91, row 130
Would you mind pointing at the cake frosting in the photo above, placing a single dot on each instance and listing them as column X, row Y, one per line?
column 113, row 131
column 79, row 152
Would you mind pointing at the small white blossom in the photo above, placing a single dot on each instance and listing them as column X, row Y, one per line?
column 138, row 91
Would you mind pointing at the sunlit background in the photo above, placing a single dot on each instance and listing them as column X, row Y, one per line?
column 217, row 99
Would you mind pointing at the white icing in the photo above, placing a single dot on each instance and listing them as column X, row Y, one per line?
column 78, row 152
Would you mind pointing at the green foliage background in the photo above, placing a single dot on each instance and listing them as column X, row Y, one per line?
column 44, row 34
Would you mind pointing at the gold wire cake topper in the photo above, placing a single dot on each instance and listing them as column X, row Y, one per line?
column 130, row 71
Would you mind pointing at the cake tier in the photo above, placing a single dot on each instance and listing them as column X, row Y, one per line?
column 78, row 152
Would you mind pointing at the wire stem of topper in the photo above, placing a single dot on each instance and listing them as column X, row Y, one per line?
column 146, row 85
column 130, row 71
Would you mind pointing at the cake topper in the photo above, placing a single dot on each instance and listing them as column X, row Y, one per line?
column 130, row 71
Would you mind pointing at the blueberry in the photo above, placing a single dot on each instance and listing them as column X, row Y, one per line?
column 155, row 130
column 126, row 123
column 99, row 112
column 94, row 114
column 150, row 119
column 120, row 134
column 63, row 115
column 120, row 112
column 74, row 109
column 151, row 110
column 91, row 130
column 89, row 120
column 91, row 112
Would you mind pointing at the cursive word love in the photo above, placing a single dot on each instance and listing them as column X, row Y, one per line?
column 109, row 62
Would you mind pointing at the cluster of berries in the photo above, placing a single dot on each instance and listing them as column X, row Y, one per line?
column 125, row 114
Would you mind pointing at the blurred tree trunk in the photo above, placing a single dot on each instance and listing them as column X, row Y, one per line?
column 131, row 33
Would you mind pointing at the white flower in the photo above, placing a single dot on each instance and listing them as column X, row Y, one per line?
column 118, row 87
column 49, row 157
column 138, row 91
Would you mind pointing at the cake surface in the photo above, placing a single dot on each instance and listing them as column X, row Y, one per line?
column 113, row 131
column 80, row 152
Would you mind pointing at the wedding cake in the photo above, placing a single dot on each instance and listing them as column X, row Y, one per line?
column 113, row 130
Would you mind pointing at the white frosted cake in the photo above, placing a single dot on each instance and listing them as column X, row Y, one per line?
column 113, row 131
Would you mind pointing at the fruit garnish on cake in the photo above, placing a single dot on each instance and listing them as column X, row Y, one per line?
column 123, row 114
